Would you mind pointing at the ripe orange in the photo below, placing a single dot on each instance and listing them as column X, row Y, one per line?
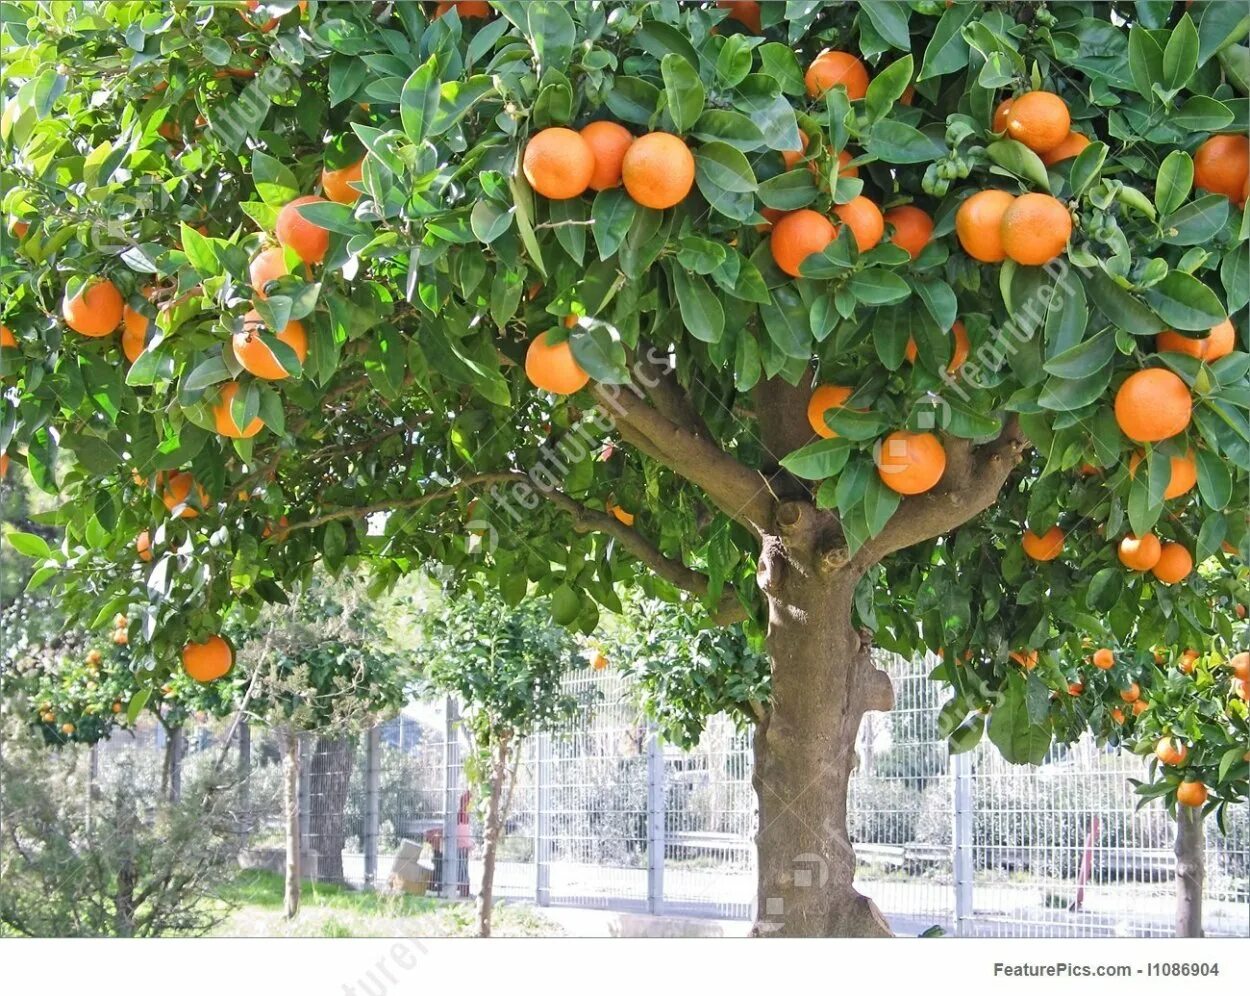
column 608, row 143
column 798, row 235
column 958, row 354
column 1132, row 693
column 910, row 462
column 1222, row 165
column 465, row 8
column 143, row 546
column 1175, row 564
column 913, row 228
column 209, row 660
column 1184, row 473
column 864, row 219
column 226, row 425
column 1039, row 120
column 1221, row 341
column 270, row 264
column 337, row 183
column 658, row 170
column 745, row 12
column 1000, row 116
column 1192, row 794
column 178, row 495
column 621, row 516
column 823, row 398
column 1117, row 716
column 979, row 225
column 1027, row 659
column 1075, row 688
column 1241, row 688
column 1152, row 405
column 1140, row 553
column 1045, row 547
column 1140, row 706
column 553, row 367
column 1035, row 229
column 134, row 332
column 309, row 242
column 1240, row 665
column 257, row 358
column 558, row 163
column 1171, row 750
column 844, row 157
column 830, row 69
column 19, row 228
column 1104, row 659
column 6, row 337
column 96, row 310
column 1069, row 148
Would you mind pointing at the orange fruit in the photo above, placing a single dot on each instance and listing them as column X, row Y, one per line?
column 599, row 663
column 226, row 425
column 745, row 12
column 1045, row 547
column 910, row 462
column 309, row 242
column 336, row 183
column 1219, row 342
column 1027, row 659
column 558, row 163
column 143, row 546
column 1104, row 659
column 1075, row 688
column 1140, row 706
column 19, row 228
column 608, row 143
column 830, row 69
column 1039, row 120
column 1240, row 665
column 553, row 367
column 256, row 357
column 6, row 337
column 1174, row 564
column 958, row 354
column 1241, row 688
column 823, row 398
column 1184, row 473
column 178, row 495
column 844, row 169
column 134, row 332
column 1035, row 229
column 1000, row 116
column 1117, row 716
column 658, row 170
column 96, row 310
column 979, row 225
column 280, row 527
column 270, row 264
column 1191, row 794
column 864, row 219
column 1171, row 750
column 1222, row 165
column 209, row 660
column 621, row 516
column 1132, row 693
column 798, row 235
column 465, row 8
column 913, row 228
column 1140, row 553
column 1069, row 148
column 1153, row 404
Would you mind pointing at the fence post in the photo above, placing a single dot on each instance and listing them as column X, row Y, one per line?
column 244, row 774
column 962, row 836
column 542, row 829
column 373, row 786
column 655, row 821
column 451, row 798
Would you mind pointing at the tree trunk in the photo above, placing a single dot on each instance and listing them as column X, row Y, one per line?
column 1190, row 856
column 171, row 768
column 823, row 681
column 491, row 833
column 330, row 772
column 290, row 805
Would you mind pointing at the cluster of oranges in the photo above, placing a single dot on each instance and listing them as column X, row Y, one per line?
column 121, row 630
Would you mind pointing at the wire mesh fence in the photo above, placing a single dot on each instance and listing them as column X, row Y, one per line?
column 604, row 814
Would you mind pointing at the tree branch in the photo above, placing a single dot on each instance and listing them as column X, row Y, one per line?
column 972, row 481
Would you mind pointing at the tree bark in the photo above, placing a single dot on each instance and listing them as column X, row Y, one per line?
column 491, row 833
column 330, row 772
column 171, row 768
column 823, row 682
column 1190, row 871
column 290, row 805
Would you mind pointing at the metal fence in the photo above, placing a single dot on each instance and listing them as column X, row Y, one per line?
column 604, row 814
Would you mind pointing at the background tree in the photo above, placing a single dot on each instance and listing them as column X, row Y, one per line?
column 506, row 665
column 992, row 331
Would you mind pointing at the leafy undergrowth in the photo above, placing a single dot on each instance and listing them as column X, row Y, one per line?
column 336, row 911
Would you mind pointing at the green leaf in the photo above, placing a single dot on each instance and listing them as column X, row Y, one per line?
column 1174, row 181
column 1120, row 307
column 456, row 98
column 136, row 704
column 880, row 503
column 633, row 100
column 1145, row 61
column 211, row 371
column 1180, row 55
column 1215, row 483
column 889, row 17
column 1202, row 113
column 612, row 213
column 895, row 142
column 1062, row 395
column 818, row 460
column 600, row 355
column 1085, row 359
column 888, row 85
column 28, row 544
column 701, row 310
column 1018, row 739
column 419, row 100
column 1184, row 302
column 684, row 91
column 789, row 191
column 947, row 51
column 1087, row 168
column 1019, row 160
column 334, row 543
column 275, row 184
column 1197, row 222
column 878, row 286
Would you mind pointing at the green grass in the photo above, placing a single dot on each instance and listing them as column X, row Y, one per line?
column 256, row 899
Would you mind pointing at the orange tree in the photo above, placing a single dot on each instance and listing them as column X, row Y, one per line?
column 907, row 323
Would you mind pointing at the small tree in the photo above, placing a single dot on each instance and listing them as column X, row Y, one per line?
column 506, row 664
